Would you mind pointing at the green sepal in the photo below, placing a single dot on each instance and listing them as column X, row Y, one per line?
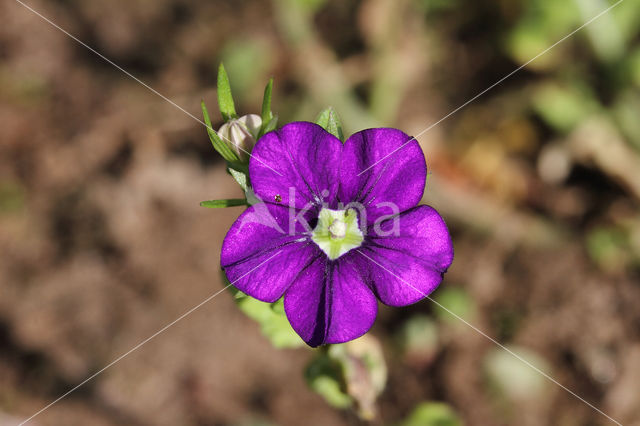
column 230, row 202
column 328, row 119
column 240, row 177
column 225, row 99
column 218, row 144
column 267, row 114
column 271, row 125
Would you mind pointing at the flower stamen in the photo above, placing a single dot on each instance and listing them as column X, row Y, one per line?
column 338, row 229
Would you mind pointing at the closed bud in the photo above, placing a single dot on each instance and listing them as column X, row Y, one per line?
column 241, row 134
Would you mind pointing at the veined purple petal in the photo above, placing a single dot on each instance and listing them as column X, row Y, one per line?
column 394, row 171
column 330, row 303
column 405, row 268
column 261, row 256
column 300, row 155
column 268, row 251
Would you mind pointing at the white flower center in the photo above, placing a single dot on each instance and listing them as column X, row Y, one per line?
column 337, row 232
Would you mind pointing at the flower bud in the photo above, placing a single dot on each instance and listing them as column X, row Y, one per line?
column 241, row 134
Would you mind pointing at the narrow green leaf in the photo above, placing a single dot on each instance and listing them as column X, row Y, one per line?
column 218, row 144
column 231, row 202
column 225, row 99
column 267, row 115
column 329, row 120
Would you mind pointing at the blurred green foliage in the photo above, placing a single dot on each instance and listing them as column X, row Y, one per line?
column 248, row 61
column 456, row 300
column 613, row 248
column 513, row 379
column 11, row 197
column 272, row 319
column 324, row 376
column 568, row 97
column 350, row 375
column 419, row 339
column 310, row 5
column 432, row 414
column 564, row 106
column 26, row 89
column 270, row 316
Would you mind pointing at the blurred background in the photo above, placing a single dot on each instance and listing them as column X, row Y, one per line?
column 102, row 240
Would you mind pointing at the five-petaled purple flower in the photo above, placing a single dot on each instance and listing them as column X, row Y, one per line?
column 331, row 238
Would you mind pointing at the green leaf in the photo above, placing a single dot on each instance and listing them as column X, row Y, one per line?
column 607, row 39
column 329, row 389
column 329, row 120
column 324, row 376
column 231, row 202
column 266, row 115
column 218, row 144
column 273, row 324
column 278, row 306
column 432, row 414
column 271, row 317
column 225, row 99
column 541, row 23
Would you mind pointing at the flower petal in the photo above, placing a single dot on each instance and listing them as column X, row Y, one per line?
column 381, row 167
column 330, row 303
column 406, row 267
column 300, row 155
column 260, row 256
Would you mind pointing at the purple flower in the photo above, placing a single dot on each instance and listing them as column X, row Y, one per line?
column 332, row 239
